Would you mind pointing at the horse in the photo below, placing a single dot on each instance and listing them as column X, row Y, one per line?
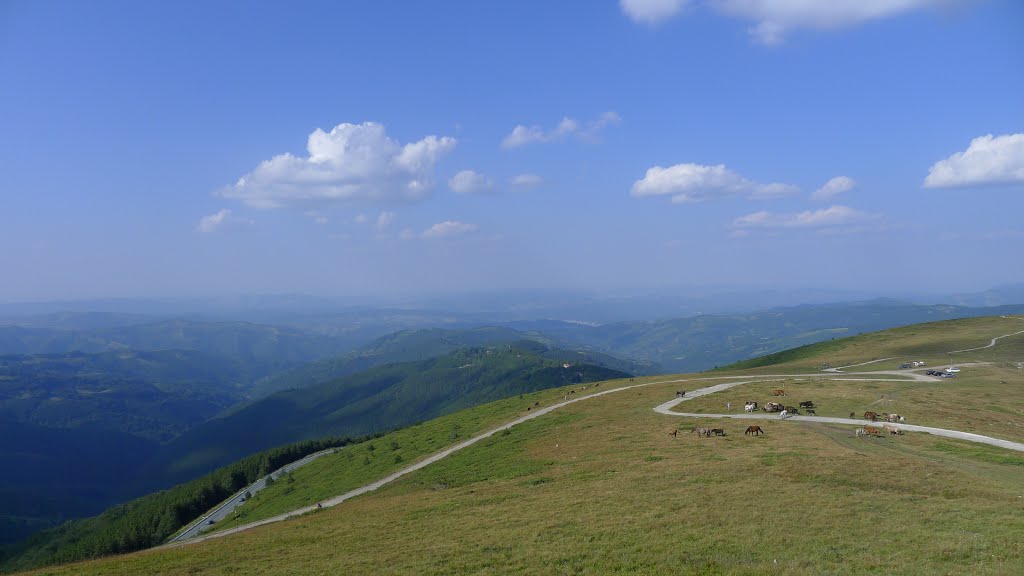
column 894, row 417
column 811, row 412
column 753, row 431
column 702, row 431
column 674, row 433
column 718, row 432
column 749, row 408
column 893, row 431
column 853, row 415
column 860, row 432
column 792, row 410
column 872, row 430
column 754, row 404
column 783, row 414
column 778, row 392
column 807, row 404
column 871, row 416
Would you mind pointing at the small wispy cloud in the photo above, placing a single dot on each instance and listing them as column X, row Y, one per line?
column 448, row 228
column 833, row 217
column 212, row 222
column 651, row 11
column 522, row 135
column 384, row 219
column 470, row 182
column 833, row 188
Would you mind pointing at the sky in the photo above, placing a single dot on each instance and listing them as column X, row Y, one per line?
column 376, row 149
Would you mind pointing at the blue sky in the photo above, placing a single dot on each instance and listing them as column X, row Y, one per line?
column 371, row 149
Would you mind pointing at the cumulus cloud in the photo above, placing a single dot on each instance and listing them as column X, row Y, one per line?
column 352, row 162
column 213, row 221
column 589, row 131
column 470, row 182
column 688, row 183
column 831, row 217
column 833, row 188
column 448, row 228
column 988, row 160
column 774, row 18
column 526, row 181
column 651, row 11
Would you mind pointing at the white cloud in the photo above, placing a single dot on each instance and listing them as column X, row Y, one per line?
column 470, row 182
column 352, row 162
column 361, row 219
column 988, row 160
column 774, row 18
column 651, row 11
column 833, row 188
column 384, row 220
column 831, row 217
column 213, row 221
column 686, row 183
column 522, row 135
column 527, row 181
column 448, row 228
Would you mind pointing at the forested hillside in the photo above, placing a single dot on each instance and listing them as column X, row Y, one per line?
column 378, row 399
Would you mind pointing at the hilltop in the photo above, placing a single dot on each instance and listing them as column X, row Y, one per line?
column 598, row 486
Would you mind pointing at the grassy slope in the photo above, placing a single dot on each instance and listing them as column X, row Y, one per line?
column 598, row 487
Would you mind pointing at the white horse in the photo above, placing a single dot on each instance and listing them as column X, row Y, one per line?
column 748, row 408
column 860, row 432
column 784, row 414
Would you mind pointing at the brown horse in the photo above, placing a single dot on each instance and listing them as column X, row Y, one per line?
column 754, row 431
column 872, row 431
column 718, row 432
column 871, row 416
column 778, row 392
column 674, row 433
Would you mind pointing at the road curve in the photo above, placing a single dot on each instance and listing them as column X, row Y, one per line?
column 664, row 408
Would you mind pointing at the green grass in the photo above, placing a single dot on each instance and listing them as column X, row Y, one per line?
column 356, row 465
column 599, row 487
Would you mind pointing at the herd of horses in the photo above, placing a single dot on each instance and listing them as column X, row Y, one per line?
column 808, row 407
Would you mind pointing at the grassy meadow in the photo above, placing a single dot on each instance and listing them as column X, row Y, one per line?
column 599, row 487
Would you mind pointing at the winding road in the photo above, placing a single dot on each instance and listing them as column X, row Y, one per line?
column 665, row 408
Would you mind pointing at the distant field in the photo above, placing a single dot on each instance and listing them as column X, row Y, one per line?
column 599, row 487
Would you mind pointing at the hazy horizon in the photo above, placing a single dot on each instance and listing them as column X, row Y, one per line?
column 386, row 151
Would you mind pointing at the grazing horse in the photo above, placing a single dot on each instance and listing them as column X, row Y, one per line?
column 872, row 431
column 893, row 431
column 703, row 431
column 807, row 404
column 674, row 433
column 811, row 412
column 871, row 416
column 754, row 431
column 753, row 404
column 749, row 408
column 784, row 414
column 773, row 407
column 778, row 392
column 718, row 432
column 792, row 410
